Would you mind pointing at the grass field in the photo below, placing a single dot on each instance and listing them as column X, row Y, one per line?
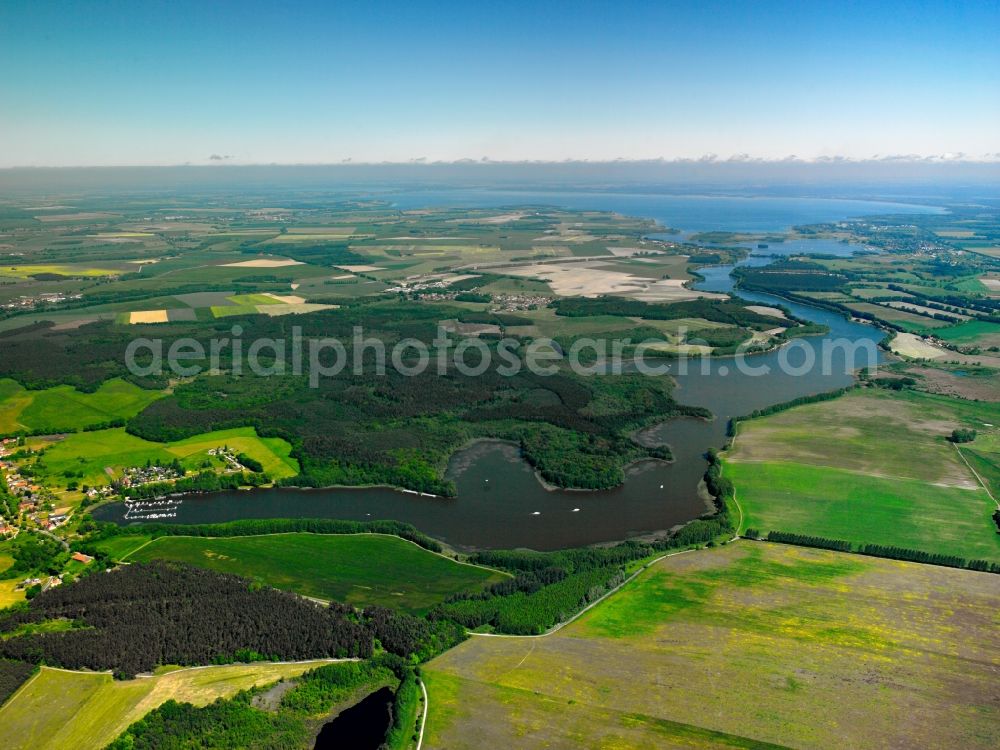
column 59, row 709
column 545, row 322
column 8, row 595
column 63, row 269
column 65, row 408
column 740, row 646
column 870, row 467
column 360, row 569
column 908, row 320
column 93, row 453
column 971, row 332
column 843, row 505
column 119, row 547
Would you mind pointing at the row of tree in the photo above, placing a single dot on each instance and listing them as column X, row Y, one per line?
column 879, row 550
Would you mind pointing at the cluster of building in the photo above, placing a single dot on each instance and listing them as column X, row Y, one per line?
column 25, row 302
column 32, row 505
column 228, row 456
column 18, row 485
column 148, row 475
column 95, row 492
column 424, row 285
column 47, row 583
column 429, row 296
column 499, row 302
column 516, row 302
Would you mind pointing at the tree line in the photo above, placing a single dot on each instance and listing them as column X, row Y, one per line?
column 883, row 550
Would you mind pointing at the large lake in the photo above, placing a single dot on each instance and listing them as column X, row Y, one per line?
column 500, row 503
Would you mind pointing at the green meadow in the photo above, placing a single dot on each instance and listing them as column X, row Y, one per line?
column 872, row 467
column 971, row 332
column 359, row 569
column 837, row 504
column 101, row 454
column 64, row 408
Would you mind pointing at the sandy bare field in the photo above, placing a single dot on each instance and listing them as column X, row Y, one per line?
column 319, row 231
column 672, row 290
column 774, row 312
column 265, row 263
column 84, row 216
column 992, row 284
column 71, row 325
column 148, row 316
column 913, row 307
column 287, row 299
column 294, row 308
column 498, row 219
column 628, row 252
column 911, row 345
column 575, row 279
column 360, row 269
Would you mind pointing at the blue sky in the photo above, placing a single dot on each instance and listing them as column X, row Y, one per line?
column 321, row 82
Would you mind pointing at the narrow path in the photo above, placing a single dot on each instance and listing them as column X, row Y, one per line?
column 63, row 542
column 976, row 475
column 739, row 524
column 423, row 721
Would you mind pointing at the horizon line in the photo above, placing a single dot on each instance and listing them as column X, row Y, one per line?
column 705, row 160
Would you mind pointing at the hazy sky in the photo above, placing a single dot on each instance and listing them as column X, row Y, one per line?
column 320, row 82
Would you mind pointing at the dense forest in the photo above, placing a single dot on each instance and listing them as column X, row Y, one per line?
column 726, row 311
column 142, row 616
column 374, row 427
column 399, row 430
column 790, row 275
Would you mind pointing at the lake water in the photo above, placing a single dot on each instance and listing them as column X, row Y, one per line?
column 360, row 727
column 501, row 504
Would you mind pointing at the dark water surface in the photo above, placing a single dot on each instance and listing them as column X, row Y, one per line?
column 500, row 503
column 360, row 727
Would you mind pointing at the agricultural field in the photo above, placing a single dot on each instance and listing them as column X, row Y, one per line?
column 870, row 467
column 8, row 594
column 546, row 323
column 750, row 645
column 63, row 408
column 153, row 258
column 978, row 332
column 361, row 570
column 913, row 347
column 908, row 320
column 86, row 710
